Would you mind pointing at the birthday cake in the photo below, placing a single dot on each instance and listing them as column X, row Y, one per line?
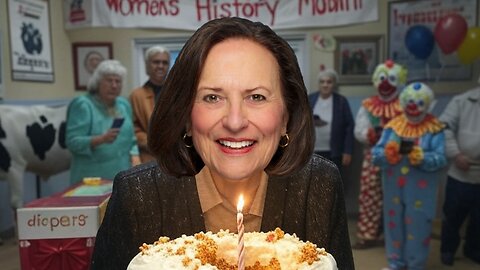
column 270, row 250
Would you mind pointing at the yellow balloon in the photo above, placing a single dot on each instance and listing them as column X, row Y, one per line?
column 469, row 50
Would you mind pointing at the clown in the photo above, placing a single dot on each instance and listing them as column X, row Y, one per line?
column 410, row 153
column 389, row 79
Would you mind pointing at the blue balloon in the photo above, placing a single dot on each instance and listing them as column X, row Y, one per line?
column 420, row 41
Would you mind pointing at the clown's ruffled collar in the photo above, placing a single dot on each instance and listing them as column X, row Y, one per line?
column 405, row 129
column 379, row 108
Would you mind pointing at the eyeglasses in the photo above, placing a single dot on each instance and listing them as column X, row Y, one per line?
column 112, row 81
column 326, row 81
column 160, row 62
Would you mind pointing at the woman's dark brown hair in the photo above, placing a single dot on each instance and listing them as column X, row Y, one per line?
column 172, row 111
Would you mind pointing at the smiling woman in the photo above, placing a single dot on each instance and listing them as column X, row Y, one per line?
column 237, row 124
column 232, row 119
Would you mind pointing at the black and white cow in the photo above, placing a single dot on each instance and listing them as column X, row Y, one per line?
column 32, row 138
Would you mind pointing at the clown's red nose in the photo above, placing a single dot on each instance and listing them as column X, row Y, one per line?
column 385, row 85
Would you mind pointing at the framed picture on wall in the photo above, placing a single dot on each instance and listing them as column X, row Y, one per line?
column 86, row 57
column 356, row 58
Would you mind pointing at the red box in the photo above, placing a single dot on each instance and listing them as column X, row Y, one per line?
column 58, row 232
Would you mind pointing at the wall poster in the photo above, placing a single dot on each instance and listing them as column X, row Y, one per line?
column 30, row 40
column 422, row 16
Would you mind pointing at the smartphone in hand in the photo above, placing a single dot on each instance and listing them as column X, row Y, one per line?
column 406, row 146
column 117, row 122
column 378, row 131
column 319, row 122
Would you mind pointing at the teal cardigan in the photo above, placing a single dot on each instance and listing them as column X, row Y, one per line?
column 86, row 118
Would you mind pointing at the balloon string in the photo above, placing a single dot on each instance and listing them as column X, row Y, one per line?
column 439, row 73
column 427, row 70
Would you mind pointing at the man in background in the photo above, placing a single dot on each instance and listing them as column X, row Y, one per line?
column 462, row 192
column 157, row 64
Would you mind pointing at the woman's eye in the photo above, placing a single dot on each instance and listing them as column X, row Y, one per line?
column 211, row 98
column 257, row 97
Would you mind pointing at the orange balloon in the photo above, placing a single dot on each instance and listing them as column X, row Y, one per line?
column 469, row 50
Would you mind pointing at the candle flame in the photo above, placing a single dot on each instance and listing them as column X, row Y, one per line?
column 240, row 203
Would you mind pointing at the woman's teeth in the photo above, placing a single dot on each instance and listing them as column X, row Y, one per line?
column 236, row 145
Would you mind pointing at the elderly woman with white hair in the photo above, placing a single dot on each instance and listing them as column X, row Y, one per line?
column 99, row 132
column 333, row 120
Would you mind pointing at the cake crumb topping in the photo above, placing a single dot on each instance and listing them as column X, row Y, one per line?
column 309, row 253
column 181, row 251
column 162, row 240
column 186, row 261
column 144, row 248
column 223, row 265
column 206, row 250
column 274, row 236
column 274, row 264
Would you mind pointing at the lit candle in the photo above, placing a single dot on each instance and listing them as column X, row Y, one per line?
column 241, row 231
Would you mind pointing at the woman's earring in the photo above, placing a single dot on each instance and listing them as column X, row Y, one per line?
column 187, row 140
column 284, row 141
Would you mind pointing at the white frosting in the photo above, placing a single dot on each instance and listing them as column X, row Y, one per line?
column 181, row 253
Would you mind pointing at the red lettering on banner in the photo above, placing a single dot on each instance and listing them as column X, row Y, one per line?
column 422, row 17
column 210, row 9
column 144, row 7
column 321, row 7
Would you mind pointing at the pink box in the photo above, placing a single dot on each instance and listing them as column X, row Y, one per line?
column 58, row 232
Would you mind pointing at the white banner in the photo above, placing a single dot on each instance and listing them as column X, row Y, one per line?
column 191, row 14
column 30, row 40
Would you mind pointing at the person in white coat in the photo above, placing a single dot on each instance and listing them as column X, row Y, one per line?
column 462, row 191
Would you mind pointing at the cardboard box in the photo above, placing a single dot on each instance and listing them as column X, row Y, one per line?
column 58, row 232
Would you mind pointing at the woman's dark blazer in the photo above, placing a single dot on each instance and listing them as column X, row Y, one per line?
column 146, row 203
column 341, row 134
